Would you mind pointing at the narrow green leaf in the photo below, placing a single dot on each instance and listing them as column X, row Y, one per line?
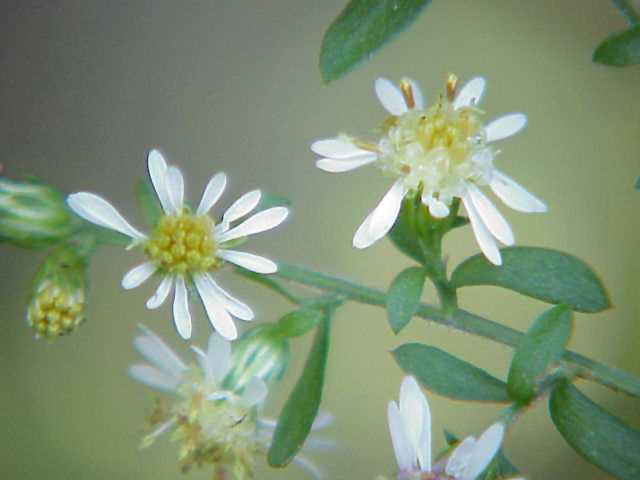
column 594, row 433
column 299, row 322
column 449, row 376
column 548, row 275
column 363, row 27
column 403, row 297
column 542, row 345
column 148, row 201
column 638, row 183
column 620, row 49
column 302, row 406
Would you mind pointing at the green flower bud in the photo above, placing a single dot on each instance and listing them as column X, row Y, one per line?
column 261, row 352
column 57, row 305
column 32, row 214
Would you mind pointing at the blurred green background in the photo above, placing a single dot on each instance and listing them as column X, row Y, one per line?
column 87, row 88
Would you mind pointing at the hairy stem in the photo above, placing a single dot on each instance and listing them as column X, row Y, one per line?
column 627, row 11
column 462, row 320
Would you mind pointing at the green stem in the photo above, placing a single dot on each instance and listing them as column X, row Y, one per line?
column 462, row 320
column 627, row 11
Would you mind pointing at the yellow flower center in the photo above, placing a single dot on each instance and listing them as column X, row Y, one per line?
column 54, row 312
column 183, row 243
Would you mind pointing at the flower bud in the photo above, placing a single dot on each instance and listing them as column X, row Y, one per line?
column 57, row 304
column 32, row 214
column 261, row 352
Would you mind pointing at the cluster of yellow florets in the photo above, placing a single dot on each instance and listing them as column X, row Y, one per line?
column 55, row 311
column 183, row 243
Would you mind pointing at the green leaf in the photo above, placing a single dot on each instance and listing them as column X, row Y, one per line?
column 548, row 275
column 542, row 345
column 449, row 376
column 403, row 297
column 620, row 49
column 302, row 406
column 363, row 27
column 638, row 183
column 594, row 433
column 403, row 234
column 299, row 322
column 148, row 201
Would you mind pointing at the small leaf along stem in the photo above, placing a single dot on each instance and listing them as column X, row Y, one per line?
column 627, row 11
column 459, row 319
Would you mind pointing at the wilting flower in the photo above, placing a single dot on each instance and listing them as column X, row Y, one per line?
column 442, row 152
column 410, row 427
column 216, row 419
column 186, row 246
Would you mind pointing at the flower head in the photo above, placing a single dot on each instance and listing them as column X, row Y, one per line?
column 216, row 421
column 442, row 152
column 186, row 246
column 410, row 428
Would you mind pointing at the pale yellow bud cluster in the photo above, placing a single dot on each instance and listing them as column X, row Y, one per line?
column 55, row 311
column 183, row 243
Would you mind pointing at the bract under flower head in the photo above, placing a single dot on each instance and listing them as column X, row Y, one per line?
column 442, row 152
column 186, row 246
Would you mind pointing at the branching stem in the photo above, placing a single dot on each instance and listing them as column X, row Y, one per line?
column 627, row 11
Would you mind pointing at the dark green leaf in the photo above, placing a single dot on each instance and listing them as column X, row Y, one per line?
column 449, row 376
column 594, row 433
column 403, row 297
column 542, row 345
column 499, row 468
column 299, row 322
column 362, row 28
column 403, row 234
column 620, row 49
column 302, row 406
column 638, row 183
column 148, row 201
column 548, row 275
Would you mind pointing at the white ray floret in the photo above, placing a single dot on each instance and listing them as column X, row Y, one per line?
column 187, row 245
column 410, row 429
column 443, row 152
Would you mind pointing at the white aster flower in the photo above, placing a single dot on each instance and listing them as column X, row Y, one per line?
column 410, row 427
column 443, row 152
column 185, row 246
column 217, row 420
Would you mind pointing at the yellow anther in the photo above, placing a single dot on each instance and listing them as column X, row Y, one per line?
column 452, row 84
column 407, row 92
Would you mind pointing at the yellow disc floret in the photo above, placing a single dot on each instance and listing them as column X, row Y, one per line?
column 54, row 311
column 183, row 243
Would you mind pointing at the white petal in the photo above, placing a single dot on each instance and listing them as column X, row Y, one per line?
column 505, row 126
column 418, row 97
column 515, row 195
column 234, row 306
column 162, row 292
column 307, row 465
column 322, row 420
column 249, row 261
column 416, row 416
column 158, row 173
column 405, row 454
column 158, row 353
column 490, row 215
column 219, row 356
column 484, row 238
column 339, row 166
column 212, row 193
column 337, row 148
column 470, row 94
column 181, row 315
column 260, row 222
column 203, row 361
column 437, row 208
column 485, row 449
column 175, row 184
column 254, row 393
column 242, row 206
column 382, row 218
column 153, row 377
column 218, row 315
column 97, row 210
column 390, row 96
column 460, row 457
column 138, row 275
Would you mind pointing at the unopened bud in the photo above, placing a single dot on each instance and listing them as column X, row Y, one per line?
column 57, row 304
column 32, row 214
